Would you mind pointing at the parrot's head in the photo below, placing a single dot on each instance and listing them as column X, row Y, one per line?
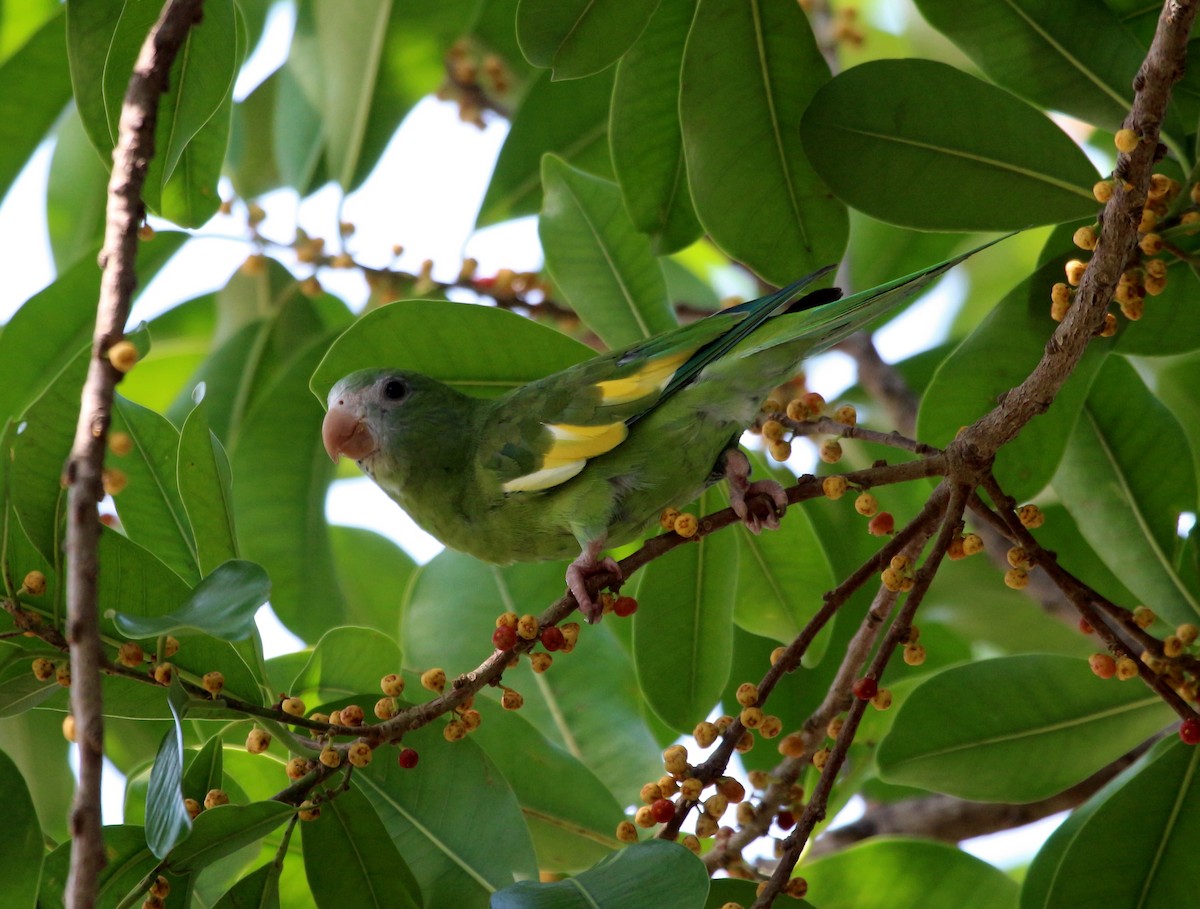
column 383, row 418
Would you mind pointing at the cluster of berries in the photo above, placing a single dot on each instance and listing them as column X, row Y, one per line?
column 1146, row 274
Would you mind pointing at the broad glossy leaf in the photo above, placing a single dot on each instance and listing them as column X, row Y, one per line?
column 21, row 848
column 35, row 85
column 996, row 357
column 782, row 576
column 687, row 598
column 103, row 48
column 476, row 349
column 167, row 820
column 350, row 40
column 432, row 816
column 347, row 849
column 373, row 573
column 1085, row 860
column 347, row 662
column 579, row 38
column 874, row 138
column 654, row 873
column 1012, row 714
column 35, row 744
column 55, row 324
column 128, row 861
column 1126, row 482
column 412, row 65
column 613, row 743
column 253, row 140
column 205, row 483
column 895, row 873
column 750, row 68
column 1167, row 326
column 257, row 890
column 298, row 124
column 644, row 135
column 283, row 474
column 150, row 507
column 599, row 261
column 222, row 605
column 571, row 822
column 569, row 119
column 190, row 195
column 1073, row 56
column 221, row 831
column 76, row 194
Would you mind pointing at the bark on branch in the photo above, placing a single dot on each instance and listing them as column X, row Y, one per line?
column 135, row 148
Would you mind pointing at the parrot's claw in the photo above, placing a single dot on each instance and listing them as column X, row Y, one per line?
column 760, row 504
column 587, row 565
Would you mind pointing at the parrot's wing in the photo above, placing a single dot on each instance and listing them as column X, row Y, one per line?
column 544, row 433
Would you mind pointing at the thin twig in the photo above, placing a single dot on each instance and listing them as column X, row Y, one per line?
column 135, row 148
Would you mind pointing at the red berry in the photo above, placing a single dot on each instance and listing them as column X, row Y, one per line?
column 785, row 820
column 662, row 810
column 504, row 637
column 407, row 758
column 625, row 606
column 552, row 638
column 1189, row 731
column 1085, row 626
column 865, row 688
column 882, row 524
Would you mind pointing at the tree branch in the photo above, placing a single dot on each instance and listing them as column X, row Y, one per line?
column 135, row 148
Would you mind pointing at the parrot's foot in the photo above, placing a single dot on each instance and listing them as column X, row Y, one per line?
column 759, row 504
column 588, row 565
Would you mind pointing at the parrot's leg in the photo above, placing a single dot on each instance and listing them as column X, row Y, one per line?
column 759, row 504
column 585, row 566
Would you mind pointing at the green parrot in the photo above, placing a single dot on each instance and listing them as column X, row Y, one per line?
column 589, row 457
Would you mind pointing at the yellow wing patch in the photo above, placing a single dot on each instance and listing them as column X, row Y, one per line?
column 569, row 453
column 650, row 378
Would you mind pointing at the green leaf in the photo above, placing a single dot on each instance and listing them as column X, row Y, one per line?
column 223, row 605
column 644, row 133
column 1072, row 56
column 50, row 329
column 127, row 862
column 781, row 579
column 35, row 85
column 1087, row 858
column 347, row 850
column 476, row 349
column 167, row 819
column 35, row 744
column 1166, row 328
column 654, row 873
column 298, row 123
column 894, row 873
column 613, row 743
column 76, row 194
column 254, row 142
column 373, row 573
column 221, row 831
column 204, row 770
column 996, row 357
column 190, row 196
column 599, row 261
column 347, row 662
column 878, row 143
column 1041, row 711
column 1125, row 483
column 432, row 816
column 579, row 38
column 350, row 40
column 21, row 848
column 569, row 119
column 257, row 890
column 205, row 486
column 687, row 598
column 150, row 506
column 283, row 474
column 749, row 69
column 571, row 822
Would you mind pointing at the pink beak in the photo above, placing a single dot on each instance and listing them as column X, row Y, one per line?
column 346, row 434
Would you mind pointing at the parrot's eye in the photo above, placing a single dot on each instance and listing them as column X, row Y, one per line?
column 395, row 390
